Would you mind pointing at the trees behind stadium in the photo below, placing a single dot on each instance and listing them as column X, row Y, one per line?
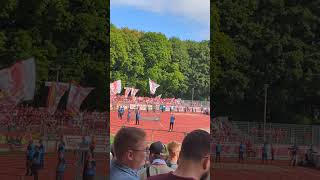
column 67, row 35
column 177, row 65
column 257, row 42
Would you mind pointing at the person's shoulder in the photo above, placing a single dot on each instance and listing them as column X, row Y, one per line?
column 160, row 177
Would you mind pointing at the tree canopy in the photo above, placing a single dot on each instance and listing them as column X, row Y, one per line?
column 177, row 65
column 68, row 34
column 274, row 42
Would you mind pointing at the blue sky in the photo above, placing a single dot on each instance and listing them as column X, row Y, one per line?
column 185, row 19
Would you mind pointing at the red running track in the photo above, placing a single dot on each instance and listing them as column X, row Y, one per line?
column 255, row 170
column 184, row 122
column 12, row 167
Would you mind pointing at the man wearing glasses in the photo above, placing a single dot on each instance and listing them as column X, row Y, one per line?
column 130, row 152
column 194, row 159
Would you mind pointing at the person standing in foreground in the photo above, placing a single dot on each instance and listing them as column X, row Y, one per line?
column 174, row 149
column 130, row 152
column 218, row 152
column 137, row 117
column 194, row 159
column 241, row 151
column 156, row 158
column 172, row 118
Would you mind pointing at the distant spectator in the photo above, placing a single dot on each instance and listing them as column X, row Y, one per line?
column 89, row 168
column 130, row 151
column 36, row 164
column 61, row 166
column 174, row 149
column 157, row 159
column 172, row 118
column 194, row 159
column 42, row 151
column 30, row 154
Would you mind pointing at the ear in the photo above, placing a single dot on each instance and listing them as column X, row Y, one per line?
column 130, row 155
column 206, row 163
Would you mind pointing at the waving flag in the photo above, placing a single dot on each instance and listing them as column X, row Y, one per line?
column 56, row 91
column 153, row 86
column 127, row 91
column 115, row 87
column 19, row 80
column 76, row 96
column 134, row 92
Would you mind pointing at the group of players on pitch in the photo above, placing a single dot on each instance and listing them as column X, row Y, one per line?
column 121, row 112
column 268, row 153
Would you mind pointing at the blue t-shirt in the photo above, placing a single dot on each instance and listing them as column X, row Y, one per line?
column 138, row 116
column 129, row 114
column 241, row 148
column 61, row 148
column 30, row 151
column 61, row 166
column 218, row 148
column 42, row 150
column 172, row 119
column 91, row 171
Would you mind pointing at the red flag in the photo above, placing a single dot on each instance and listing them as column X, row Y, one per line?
column 76, row 96
column 127, row 91
column 56, row 91
column 19, row 80
column 134, row 92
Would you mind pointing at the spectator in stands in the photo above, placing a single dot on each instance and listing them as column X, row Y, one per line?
column 157, row 159
column 174, row 149
column 218, row 151
column 42, row 151
column 30, row 154
column 61, row 166
column 172, row 118
column 130, row 151
column 194, row 159
column 89, row 168
column 241, row 151
column 137, row 117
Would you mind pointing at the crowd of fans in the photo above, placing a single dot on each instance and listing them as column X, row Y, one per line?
column 24, row 118
column 132, row 158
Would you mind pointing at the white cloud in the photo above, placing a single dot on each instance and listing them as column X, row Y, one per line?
column 195, row 10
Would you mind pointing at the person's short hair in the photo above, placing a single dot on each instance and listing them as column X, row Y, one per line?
column 172, row 146
column 195, row 145
column 127, row 138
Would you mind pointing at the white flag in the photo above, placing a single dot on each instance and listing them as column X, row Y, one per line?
column 134, row 92
column 153, row 86
column 19, row 80
column 115, row 87
column 127, row 91
column 56, row 91
column 76, row 96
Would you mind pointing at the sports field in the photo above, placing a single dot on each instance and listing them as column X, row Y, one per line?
column 158, row 130
column 12, row 167
column 254, row 170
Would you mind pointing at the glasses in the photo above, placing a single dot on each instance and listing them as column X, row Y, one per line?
column 144, row 150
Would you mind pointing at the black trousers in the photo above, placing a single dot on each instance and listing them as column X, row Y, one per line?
column 171, row 126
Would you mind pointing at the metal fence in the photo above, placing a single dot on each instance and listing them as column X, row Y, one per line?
column 235, row 131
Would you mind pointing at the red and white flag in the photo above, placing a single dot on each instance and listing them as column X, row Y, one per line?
column 19, row 80
column 134, row 92
column 76, row 96
column 127, row 91
column 115, row 87
column 153, row 86
column 56, row 91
